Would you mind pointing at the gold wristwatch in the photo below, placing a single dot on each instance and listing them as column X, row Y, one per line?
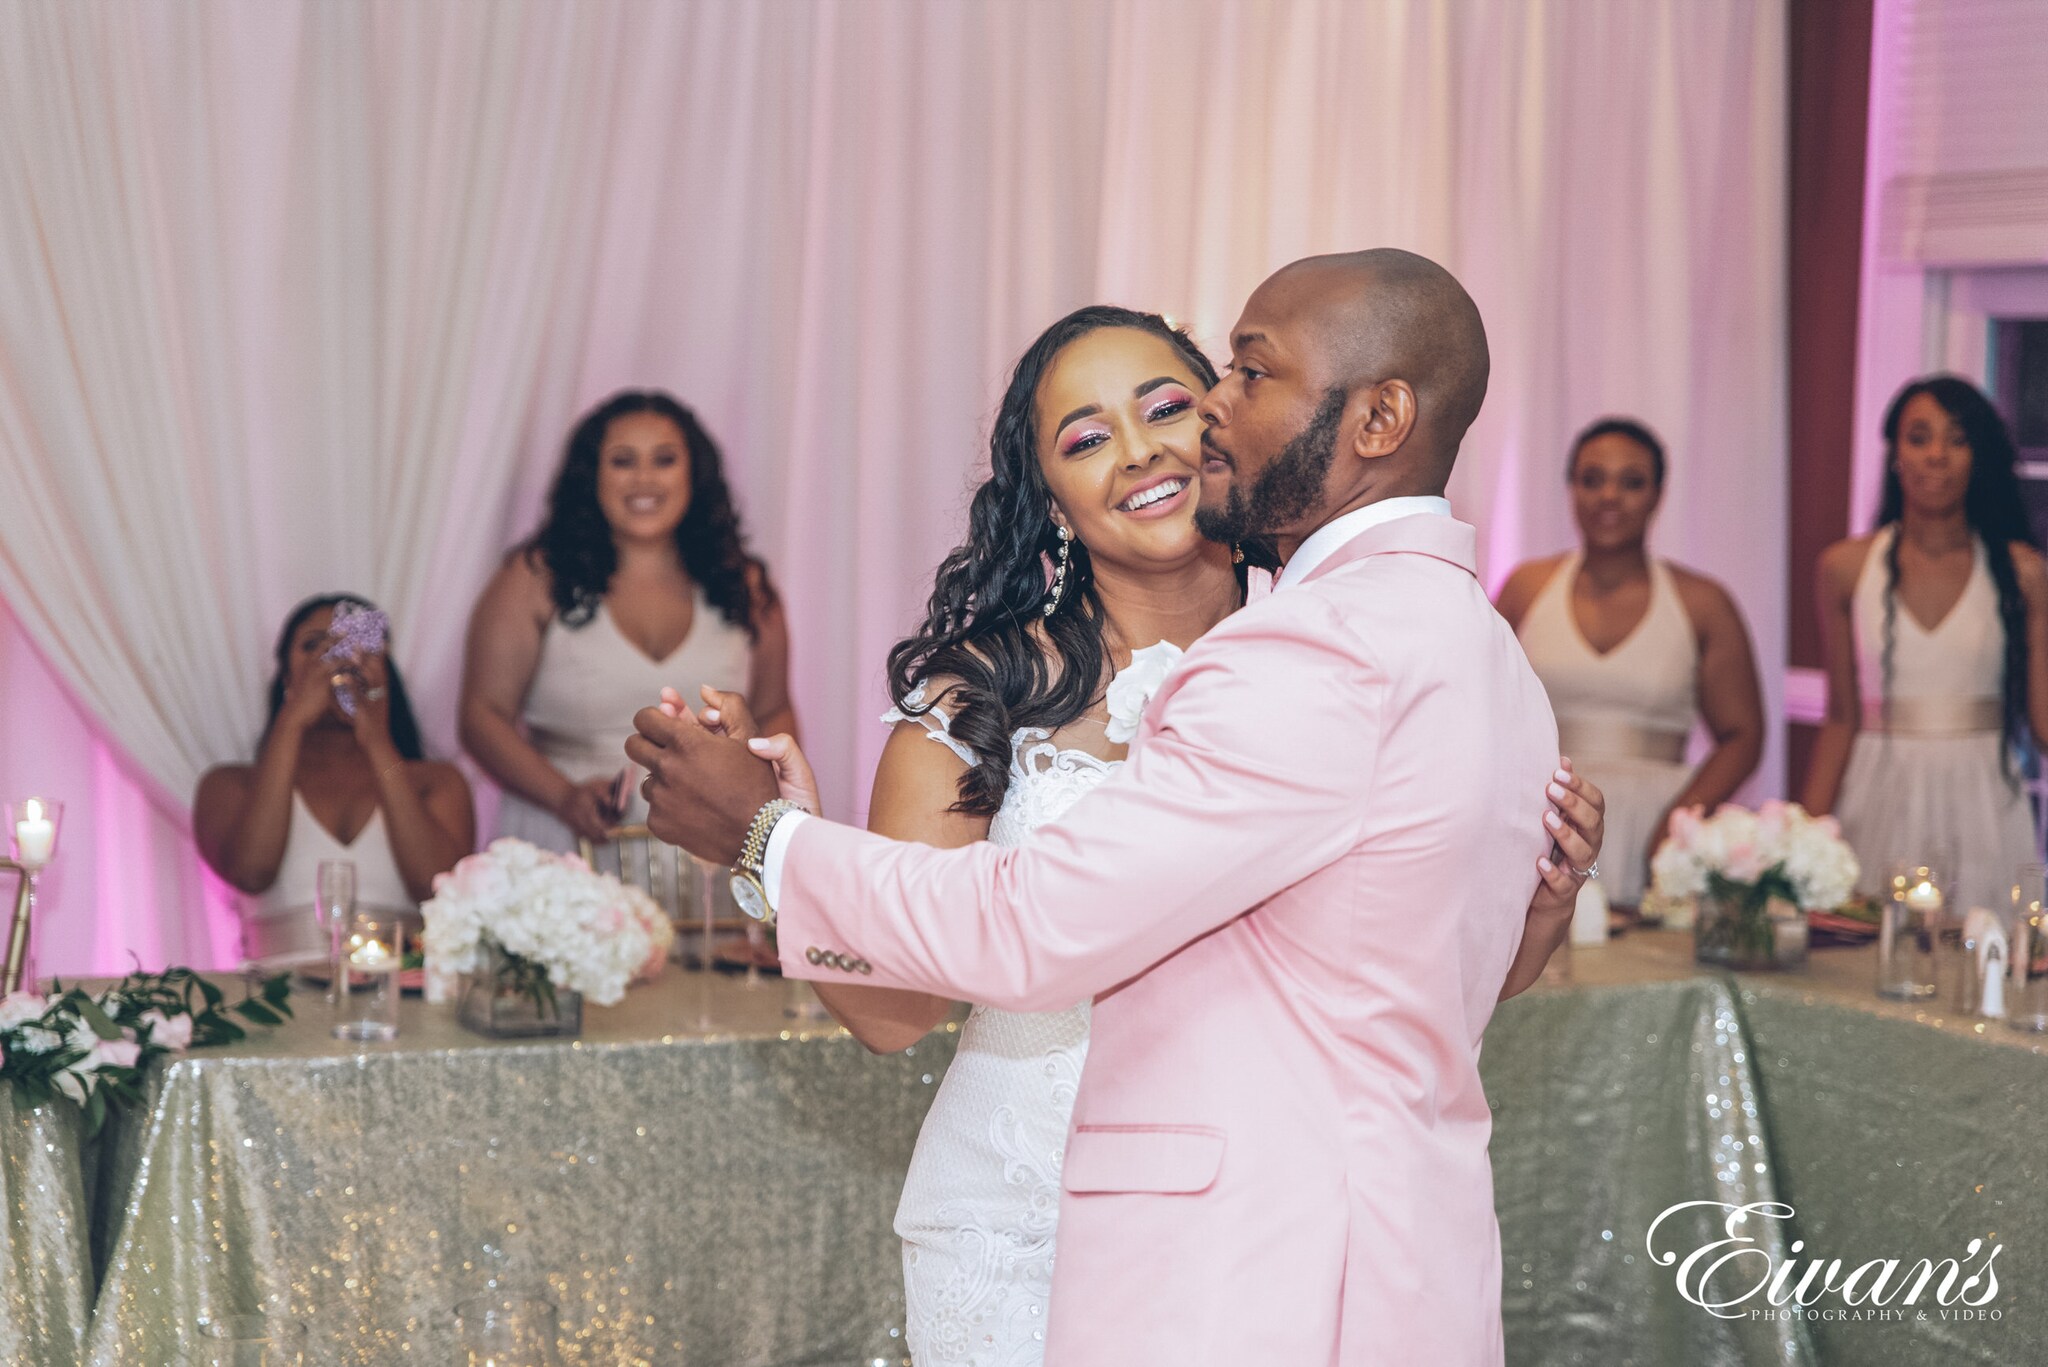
column 748, row 891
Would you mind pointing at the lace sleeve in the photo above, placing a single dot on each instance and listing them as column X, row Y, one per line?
column 937, row 725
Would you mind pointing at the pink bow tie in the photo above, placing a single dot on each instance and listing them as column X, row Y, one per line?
column 1258, row 584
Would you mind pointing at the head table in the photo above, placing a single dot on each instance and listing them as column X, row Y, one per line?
column 699, row 1181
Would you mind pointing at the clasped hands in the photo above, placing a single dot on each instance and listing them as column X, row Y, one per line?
column 709, row 772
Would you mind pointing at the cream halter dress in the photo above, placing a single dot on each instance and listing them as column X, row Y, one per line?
column 589, row 683
column 1924, row 781
column 1624, row 717
column 278, row 925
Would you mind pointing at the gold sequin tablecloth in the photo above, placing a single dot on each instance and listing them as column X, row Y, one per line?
column 695, row 1181
column 46, row 1280
column 1894, row 1131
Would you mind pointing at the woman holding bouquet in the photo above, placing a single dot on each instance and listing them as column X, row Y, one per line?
column 339, row 774
column 1936, row 627
column 639, row 578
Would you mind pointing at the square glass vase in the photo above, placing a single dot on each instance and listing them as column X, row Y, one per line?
column 498, row 1000
column 1743, row 929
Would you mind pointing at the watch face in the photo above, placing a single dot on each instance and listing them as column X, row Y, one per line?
column 747, row 893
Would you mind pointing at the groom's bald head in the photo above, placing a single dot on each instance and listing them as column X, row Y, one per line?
column 1387, row 314
column 1354, row 378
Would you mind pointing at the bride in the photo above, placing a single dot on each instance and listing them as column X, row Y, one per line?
column 1017, row 696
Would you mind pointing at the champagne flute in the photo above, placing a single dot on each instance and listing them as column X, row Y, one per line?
column 334, row 906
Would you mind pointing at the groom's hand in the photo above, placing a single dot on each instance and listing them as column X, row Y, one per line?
column 702, row 790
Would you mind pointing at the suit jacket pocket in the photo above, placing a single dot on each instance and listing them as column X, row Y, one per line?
column 1169, row 1159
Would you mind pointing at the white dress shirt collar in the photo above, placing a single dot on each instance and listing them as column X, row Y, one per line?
column 1327, row 539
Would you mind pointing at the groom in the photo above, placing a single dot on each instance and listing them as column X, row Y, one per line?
column 1295, row 906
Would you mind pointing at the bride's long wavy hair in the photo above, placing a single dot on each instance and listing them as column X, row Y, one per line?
column 985, row 626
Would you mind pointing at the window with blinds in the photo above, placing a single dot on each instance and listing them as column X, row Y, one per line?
column 1960, row 131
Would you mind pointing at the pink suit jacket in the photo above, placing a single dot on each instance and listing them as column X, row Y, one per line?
column 1295, row 906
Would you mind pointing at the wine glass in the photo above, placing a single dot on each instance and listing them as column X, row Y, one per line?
column 334, row 906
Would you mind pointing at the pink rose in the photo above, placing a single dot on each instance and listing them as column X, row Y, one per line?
column 1745, row 864
column 115, row 1053
column 462, row 879
column 1686, row 825
column 174, row 1032
column 657, row 960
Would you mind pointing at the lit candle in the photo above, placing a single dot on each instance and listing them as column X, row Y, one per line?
column 1924, row 896
column 370, row 955
column 35, row 835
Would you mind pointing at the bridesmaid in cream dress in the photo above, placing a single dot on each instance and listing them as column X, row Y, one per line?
column 330, row 783
column 1633, row 650
column 639, row 579
column 1937, row 639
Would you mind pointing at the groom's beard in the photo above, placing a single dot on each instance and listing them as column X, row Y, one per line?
column 1288, row 488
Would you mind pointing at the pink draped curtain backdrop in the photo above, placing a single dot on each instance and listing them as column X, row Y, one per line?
column 298, row 296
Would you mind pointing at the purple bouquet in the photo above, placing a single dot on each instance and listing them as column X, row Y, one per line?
column 356, row 634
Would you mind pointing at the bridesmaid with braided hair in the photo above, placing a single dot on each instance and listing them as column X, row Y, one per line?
column 1936, row 628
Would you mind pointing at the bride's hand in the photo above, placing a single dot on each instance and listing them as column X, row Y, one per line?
column 1578, row 825
column 793, row 777
column 724, row 714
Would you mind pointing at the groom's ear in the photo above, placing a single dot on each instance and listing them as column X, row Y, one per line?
column 1382, row 415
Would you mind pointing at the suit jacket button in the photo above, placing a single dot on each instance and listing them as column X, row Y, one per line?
column 840, row 962
column 863, row 966
column 814, row 955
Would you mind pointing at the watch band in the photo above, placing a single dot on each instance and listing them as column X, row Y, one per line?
column 754, row 850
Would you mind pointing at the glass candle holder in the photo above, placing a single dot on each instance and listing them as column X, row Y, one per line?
column 366, row 987
column 32, row 828
column 1910, row 924
column 2026, row 1006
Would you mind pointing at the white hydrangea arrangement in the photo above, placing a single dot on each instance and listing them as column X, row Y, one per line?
column 1737, row 864
column 551, row 914
column 1778, row 850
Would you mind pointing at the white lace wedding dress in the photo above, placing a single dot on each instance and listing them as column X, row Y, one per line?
column 981, row 1202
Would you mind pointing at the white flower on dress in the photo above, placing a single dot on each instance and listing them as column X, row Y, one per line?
column 1134, row 686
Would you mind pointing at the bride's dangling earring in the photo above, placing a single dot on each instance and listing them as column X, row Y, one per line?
column 1236, row 554
column 1059, row 571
